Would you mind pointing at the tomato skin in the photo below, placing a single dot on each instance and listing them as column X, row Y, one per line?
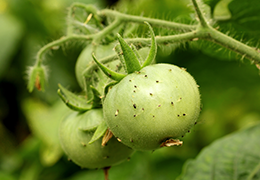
column 74, row 142
column 146, row 108
column 85, row 59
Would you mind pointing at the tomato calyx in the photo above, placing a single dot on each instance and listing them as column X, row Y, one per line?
column 130, row 58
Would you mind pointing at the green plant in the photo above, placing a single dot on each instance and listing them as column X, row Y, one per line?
column 102, row 27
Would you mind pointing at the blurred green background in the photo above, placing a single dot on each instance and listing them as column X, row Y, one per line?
column 29, row 146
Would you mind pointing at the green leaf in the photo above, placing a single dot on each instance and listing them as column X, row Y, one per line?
column 100, row 131
column 73, row 101
column 44, row 122
column 112, row 74
column 236, row 156
column 221, row 10
column 11, row 33
column 131, row 61
column 90, row 120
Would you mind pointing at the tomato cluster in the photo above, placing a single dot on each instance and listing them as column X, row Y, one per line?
column 132, row 104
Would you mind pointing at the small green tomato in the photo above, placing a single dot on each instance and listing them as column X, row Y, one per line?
column 75, row 142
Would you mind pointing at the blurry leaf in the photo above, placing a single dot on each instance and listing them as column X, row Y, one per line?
column 236, row 156
column 30, row 171
column 5, row 176
column 11, row 32
column 221, row 11
column 44, row 122
column 50, row 154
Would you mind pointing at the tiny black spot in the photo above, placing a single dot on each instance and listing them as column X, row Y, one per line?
column 195, row 123
column 172, row 103
column 106, row 157
column 135, row 86
column 134, row 115
column 182, row 136
column 151, row 94
column 145, row 75
column 134, row 91
column 138, row 72
column 157, row 81
column 130, row 80
column 143, row 109
column 153, row 116
column 134, row 106
column 178, row 115
column 109, row 75
column 184, row 114
column 131, row 140
column 188, row 131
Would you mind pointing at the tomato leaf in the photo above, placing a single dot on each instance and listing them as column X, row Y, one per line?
column 73, row 101
column 235, row 156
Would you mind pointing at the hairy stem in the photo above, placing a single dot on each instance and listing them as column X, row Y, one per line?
column 58, row 43
column 201, row 17
column 151, row 21
column 222, row 39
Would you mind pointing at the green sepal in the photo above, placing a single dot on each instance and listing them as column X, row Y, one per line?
column 131, row 61
column 120, row 56
column 73, row 101
column 37, row 78
column 108, row 86
column 140, row 59
column 90, row 120
column 100, row 131
column 111, row 74
column 153, row 50
column 96, row 101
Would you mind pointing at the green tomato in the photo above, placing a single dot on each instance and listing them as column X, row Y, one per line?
column 147, row 108
column 75, row 142
column 85, row 60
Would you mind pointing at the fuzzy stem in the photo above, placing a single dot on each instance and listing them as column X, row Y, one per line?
column 58, row 42
column 151, row 21
column 222, row 39
column 101, row 34
column 201, row 17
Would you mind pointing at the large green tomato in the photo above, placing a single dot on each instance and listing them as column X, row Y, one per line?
column 147, row 108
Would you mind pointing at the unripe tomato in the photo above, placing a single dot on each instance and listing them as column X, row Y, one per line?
column 85, row 59
column 75, row 142
column 146, row 108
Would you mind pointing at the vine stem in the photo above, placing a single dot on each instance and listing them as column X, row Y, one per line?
column 201, row 17
column 139, row 19
column 58, row 42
